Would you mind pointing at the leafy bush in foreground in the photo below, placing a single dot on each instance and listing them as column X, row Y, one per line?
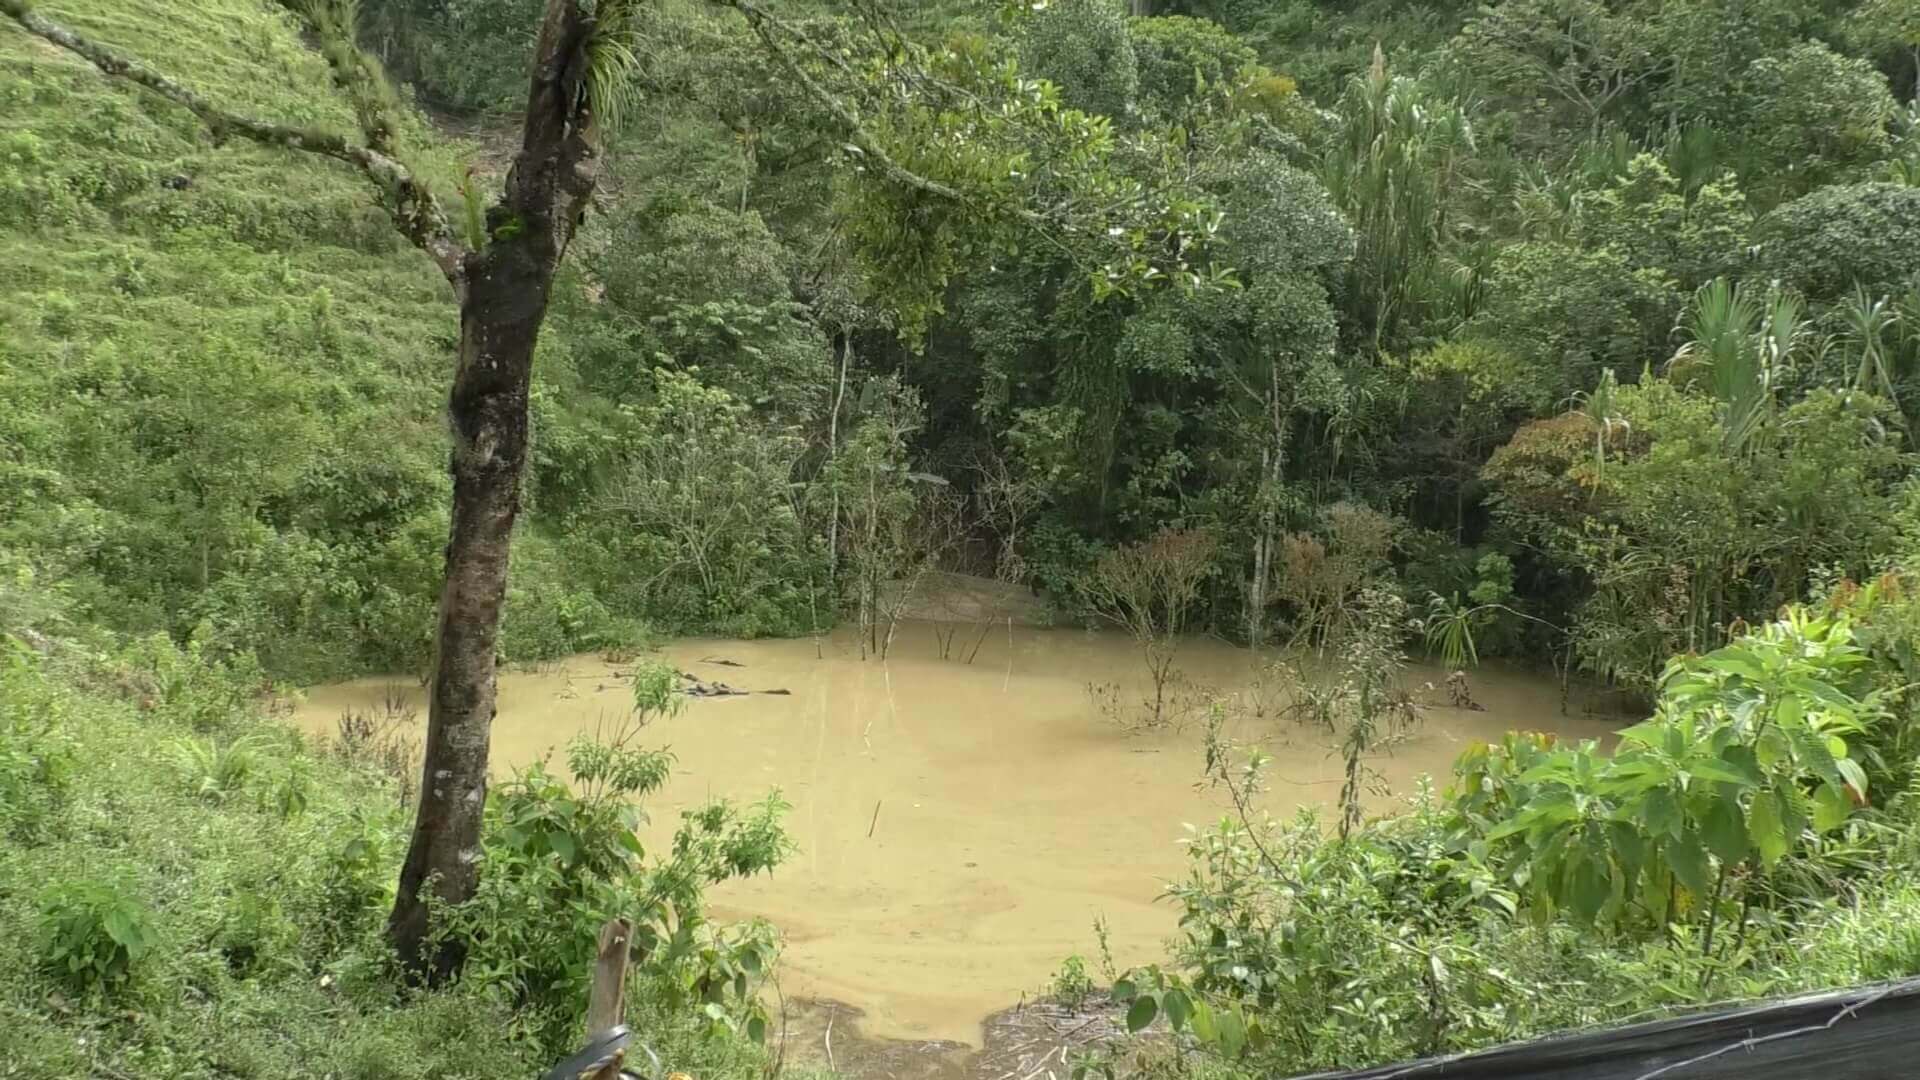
column 187, row 890
column 1753, row 837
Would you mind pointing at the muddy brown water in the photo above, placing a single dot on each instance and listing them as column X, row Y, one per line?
column 960, row 826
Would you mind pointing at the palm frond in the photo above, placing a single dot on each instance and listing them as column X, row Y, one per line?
column 1737, row 346
column 1866, row 321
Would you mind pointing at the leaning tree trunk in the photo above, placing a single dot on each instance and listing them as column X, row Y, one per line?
column 508, row 284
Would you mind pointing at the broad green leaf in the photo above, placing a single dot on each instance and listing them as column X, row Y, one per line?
column 1178, row 1007
column 1629, row 844
column 1232, row 1031
column 1710, row 769
column 1735, row 661
column 1646, row 733
column 1831, row 808
column 1793, row 810
column 1123, row 990
column 1509, row 827
column 1688, row 857
column 757, row 1030
column 120, row 926
column 1768, row 830
column 1141, row 1013
column 1788, row 711
column 1771, row 748
column 562, row 844
column 1203, row 1026
column 1661, row 813
column 1588, row 886
column 1724, row 828
column 1818, row 756
column 1740, row 757
column 1851, row 771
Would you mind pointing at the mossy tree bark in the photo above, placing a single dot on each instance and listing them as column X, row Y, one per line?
column 508, row 284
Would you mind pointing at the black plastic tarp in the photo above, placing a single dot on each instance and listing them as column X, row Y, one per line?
column 1863, row 1033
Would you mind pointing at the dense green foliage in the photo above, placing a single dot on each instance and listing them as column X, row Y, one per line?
column 1588, row 328
column 1315, row 277
column 1753, row 837
column 190, row 888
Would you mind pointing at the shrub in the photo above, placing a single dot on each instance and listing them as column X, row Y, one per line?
column 698, row 528
column 216, row 771
column 37, row 759
column 561, row 859
column 1071, row 985
column 1149, row 589
column 1826, row 243
column 92, row 935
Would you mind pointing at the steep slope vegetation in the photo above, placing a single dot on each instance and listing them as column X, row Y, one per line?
column 224, row 371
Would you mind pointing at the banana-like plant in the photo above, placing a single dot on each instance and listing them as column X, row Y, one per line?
column 1738, row 347
column 1866, row 322
column 1601, row 408
column 1393, row 169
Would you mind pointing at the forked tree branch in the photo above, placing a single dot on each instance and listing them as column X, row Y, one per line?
column 416, row 213
column 764, row 23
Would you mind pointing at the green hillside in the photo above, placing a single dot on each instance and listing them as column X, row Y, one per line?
column 227, row 371
column 226, row 367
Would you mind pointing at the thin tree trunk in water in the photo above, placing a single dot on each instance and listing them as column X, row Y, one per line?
column 833, row 458
column 1273, row 460
column 1257, row 587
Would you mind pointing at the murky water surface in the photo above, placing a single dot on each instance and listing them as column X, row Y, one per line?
column 960, row 826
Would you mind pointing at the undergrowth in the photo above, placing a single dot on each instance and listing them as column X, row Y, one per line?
column 191, row 888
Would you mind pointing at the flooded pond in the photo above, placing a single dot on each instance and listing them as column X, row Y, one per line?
column 960, row 826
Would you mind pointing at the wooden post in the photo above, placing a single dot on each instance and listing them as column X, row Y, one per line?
column 609, row 987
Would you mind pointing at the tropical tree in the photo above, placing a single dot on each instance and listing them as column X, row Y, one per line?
column 1866, row 323
column 1816, row 114
column 1587, row 59
column 1825, row 243
column 1394, row 169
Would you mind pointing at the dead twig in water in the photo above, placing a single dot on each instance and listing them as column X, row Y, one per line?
column 876, row 819
column 832, row 1011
